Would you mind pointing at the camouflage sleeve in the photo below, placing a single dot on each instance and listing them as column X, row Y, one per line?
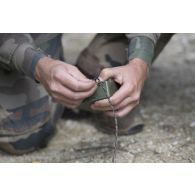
column 142, row 45
column 18, row 53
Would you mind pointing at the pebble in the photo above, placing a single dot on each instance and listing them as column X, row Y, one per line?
column 192, row 124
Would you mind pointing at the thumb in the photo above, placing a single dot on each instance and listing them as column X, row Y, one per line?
column 106, row 73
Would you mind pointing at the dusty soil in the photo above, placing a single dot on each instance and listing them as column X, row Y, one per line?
column 167, row 106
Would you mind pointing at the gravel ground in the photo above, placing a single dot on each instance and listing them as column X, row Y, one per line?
column 167, row 106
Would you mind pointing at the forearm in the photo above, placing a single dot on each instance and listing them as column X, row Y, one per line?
column 142, row 46
column 18, row 53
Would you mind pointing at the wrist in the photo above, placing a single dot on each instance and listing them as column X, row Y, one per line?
column 140, row 65
column 142, row 48
column 41, row 64
column 138, row 62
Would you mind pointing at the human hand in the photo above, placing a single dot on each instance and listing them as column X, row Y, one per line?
column 131, row 77
column 64, row 82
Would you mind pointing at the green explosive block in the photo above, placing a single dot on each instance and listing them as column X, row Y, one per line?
column 104, row 90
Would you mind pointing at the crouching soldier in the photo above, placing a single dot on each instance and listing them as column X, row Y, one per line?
column 36, row 84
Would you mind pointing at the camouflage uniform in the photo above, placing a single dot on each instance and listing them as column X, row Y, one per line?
column 25, row 108
column 111, row 50
column 27, row 115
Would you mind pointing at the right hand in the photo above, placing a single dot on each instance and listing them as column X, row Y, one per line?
column 131, row 78
column 64, row 82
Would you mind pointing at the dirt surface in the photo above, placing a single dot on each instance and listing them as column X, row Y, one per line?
column 167, row 106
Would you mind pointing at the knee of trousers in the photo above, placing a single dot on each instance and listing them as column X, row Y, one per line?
column 109, row 50
column 27, row 113
column 32, row 142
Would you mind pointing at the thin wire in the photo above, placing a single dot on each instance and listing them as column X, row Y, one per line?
column 99, row 83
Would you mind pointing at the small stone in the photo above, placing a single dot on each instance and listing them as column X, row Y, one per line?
column 168, row 128
column 190, row 57
column 188, row 138
column 192, row 124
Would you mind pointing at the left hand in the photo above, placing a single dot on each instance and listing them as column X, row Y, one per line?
column 64, row 82
column 131, row 78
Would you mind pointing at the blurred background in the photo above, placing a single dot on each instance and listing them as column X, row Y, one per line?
column 167, row 106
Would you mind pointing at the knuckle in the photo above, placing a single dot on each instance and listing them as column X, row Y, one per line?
column 74, row 68
column 57, row 73
column 136, row 97
column 104, row 72
column 114, row 101
column 53, row 87
column 69, row 95
column 120, row 114
column 76, row 87
column 76, row 97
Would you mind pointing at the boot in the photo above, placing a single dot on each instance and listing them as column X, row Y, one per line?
column 130, row 124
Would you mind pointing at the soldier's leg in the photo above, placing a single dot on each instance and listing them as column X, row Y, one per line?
column 109, row 50
column 162, row 42
column 27, row 116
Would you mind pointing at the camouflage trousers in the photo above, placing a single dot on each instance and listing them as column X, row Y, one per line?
column 27, row 114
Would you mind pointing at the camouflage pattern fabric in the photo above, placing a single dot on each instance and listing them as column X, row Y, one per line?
column 111, row 50
column 27, row 113
column 25, row 107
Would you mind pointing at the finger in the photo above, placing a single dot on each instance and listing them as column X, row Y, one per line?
column 64, row 100
column 122, row 112
column 72, row 106
column 126, row 102
column 74, row 84
column 77, row 85
column 75, row 72
column 120, row 95
column 106, row 73
column 106, row 108
column 66, row 103
column 113, row 73
column 68, row 94
column 101, row 103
